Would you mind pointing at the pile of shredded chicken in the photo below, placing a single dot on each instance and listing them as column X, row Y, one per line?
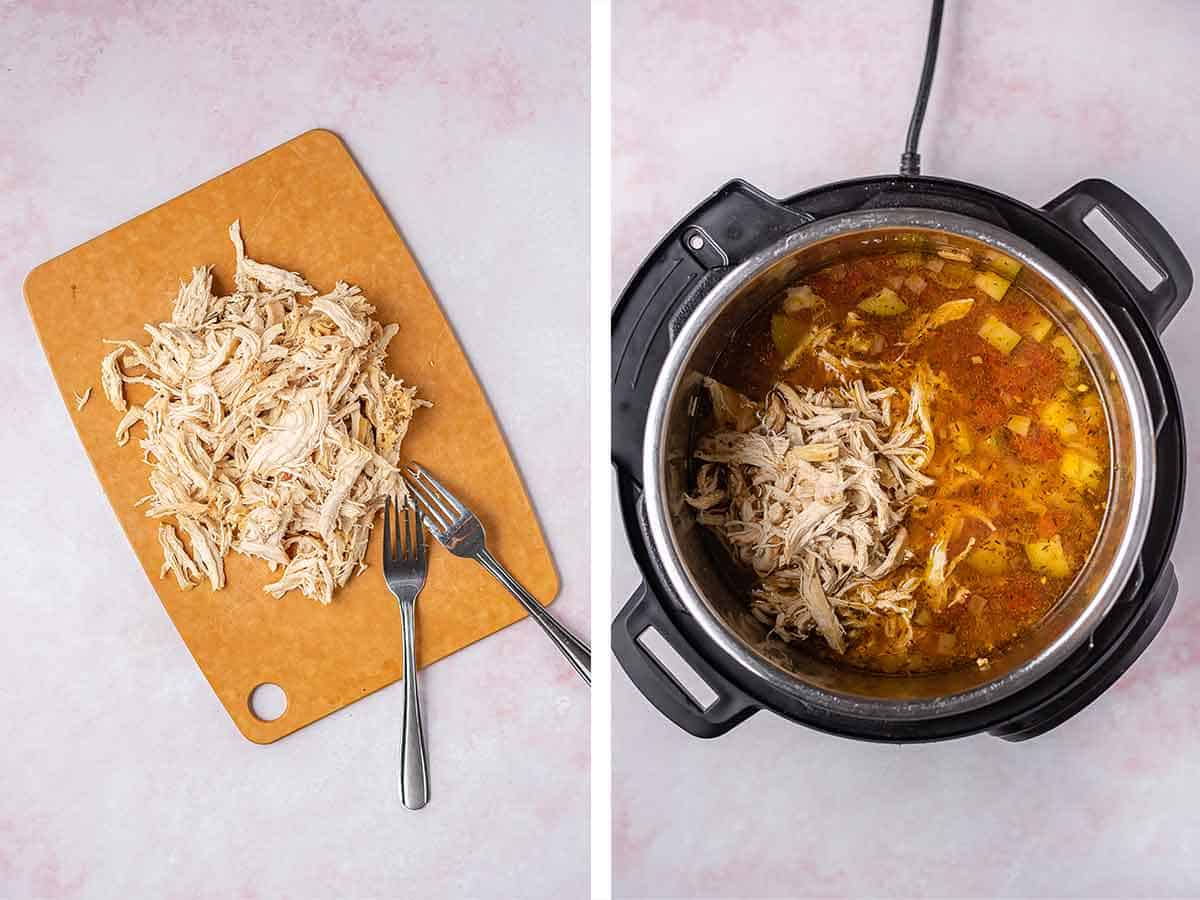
column 273, row 429
column 810, row 489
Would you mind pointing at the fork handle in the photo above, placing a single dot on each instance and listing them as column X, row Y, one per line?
column 576, row 651
column 414, row 767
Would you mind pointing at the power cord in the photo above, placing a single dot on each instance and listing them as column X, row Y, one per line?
column 910, row 162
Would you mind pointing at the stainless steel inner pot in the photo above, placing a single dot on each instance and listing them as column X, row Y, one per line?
column 696, row 575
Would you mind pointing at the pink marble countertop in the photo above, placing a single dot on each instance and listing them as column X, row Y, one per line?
column 1029, row 99
column 120, row 774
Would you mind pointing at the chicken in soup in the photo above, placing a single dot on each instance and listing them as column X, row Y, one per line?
column 910, row 457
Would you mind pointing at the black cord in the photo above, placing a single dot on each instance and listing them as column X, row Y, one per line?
column 910, row 162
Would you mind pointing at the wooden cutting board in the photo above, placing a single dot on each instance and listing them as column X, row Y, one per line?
column 304, row 206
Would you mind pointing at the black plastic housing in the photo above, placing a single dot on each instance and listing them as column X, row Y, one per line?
column 738, row 220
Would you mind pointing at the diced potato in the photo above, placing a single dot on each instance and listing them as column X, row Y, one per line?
column 1039, row 326
column 786, row 333
column 885, row 302
column 1019, row 425
column 915, row 283
column 998, row 335
column 992, row 444
column 1065, row 348
column 954, row 275
column 934, row 264
column 1059, row 417
column 1048, row 557
column 990, row 557
column 801, row 298
column 909, row 259
column 954, row 254
column 999, row 262
column 1081, row 469
column 991, row 284
column 960, row 437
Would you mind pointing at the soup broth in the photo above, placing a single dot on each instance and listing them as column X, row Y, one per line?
column 1019, row 455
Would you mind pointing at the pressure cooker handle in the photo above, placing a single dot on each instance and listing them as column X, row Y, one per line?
column 643, row 612
column 721, row 232
column 1100, row 670
column 1143, row 231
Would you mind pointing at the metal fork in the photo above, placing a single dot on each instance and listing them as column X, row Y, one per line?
column 404, row 566
column 460, row 531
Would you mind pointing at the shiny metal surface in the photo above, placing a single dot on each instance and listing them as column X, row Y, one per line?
column 405, row 562
column 460, row 531
column 702, row 580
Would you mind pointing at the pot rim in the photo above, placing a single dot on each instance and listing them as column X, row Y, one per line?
column 670, row 380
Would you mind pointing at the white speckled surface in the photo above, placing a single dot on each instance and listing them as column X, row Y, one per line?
column 120, row 774
column 1029, row 99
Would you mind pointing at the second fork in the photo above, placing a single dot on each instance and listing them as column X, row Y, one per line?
column 459, row 530
column 404, row 567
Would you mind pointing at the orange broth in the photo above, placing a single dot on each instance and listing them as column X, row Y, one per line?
column 1021, row 442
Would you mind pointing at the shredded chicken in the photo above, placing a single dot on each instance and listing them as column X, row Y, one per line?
column 950, row 311
column 273, row 429
column 813, row 498
column 110, row 380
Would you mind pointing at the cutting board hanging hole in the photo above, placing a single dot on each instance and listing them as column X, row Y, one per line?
column 268, row 702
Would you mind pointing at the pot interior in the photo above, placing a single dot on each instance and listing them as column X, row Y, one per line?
column 717, row 589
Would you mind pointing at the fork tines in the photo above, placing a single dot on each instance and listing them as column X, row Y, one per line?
column 408, row 541
column 440, row 506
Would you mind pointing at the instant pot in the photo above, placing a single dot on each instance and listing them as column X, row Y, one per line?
column 728, row 260
column 731, row 256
